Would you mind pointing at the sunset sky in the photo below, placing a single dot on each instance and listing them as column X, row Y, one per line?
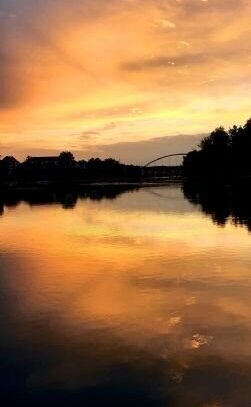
column 126, row 78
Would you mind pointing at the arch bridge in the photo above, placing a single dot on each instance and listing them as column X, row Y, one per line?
column 162, row 157
column 164, row 171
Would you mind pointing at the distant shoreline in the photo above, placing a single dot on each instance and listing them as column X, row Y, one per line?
column 40, row 186
column 91, row 183
column 113, row 182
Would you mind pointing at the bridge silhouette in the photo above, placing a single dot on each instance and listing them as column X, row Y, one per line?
column 166, row 171
column 162, row 157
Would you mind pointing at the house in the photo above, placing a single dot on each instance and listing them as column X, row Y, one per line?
column 9, row 163
column 42, row 162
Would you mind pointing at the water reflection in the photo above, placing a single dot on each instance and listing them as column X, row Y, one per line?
column 59, row 194
column 223, row 202
column 140, row 300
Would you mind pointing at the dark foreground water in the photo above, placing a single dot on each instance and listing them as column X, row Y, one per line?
column 137, row 298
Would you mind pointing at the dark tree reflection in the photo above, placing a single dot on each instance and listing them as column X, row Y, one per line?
column 223, row 202
column 67, row 197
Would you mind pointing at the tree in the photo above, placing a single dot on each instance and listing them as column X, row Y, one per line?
column 218, row 142
column 222, row 153
column 66, row 159
column 247, row 127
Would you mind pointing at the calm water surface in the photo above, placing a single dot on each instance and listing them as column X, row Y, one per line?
column 137, row 300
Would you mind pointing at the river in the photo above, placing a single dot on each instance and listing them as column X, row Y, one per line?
column 135, row 297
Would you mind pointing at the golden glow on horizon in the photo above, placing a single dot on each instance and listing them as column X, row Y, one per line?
column 94, row 73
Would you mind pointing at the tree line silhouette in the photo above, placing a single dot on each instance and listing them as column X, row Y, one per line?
column 65, row 168
column 222, row 153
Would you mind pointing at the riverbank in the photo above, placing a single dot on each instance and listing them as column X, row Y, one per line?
column 26, row 185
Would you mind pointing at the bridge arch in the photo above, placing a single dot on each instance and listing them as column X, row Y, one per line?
column 162, row 157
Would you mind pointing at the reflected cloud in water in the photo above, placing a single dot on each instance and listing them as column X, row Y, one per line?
column 138, row 300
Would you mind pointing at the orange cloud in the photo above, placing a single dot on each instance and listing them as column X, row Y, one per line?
column 154, row 68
